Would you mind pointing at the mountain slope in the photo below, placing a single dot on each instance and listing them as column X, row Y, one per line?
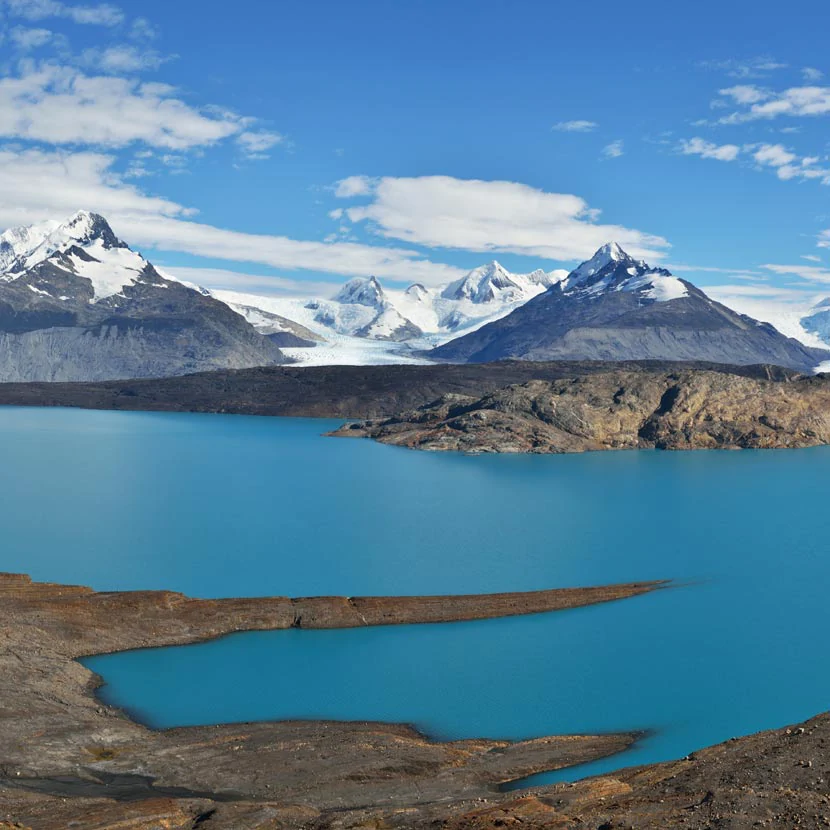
column 613, row 307
column 76, row 303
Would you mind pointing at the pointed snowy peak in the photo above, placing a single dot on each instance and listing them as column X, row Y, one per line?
column 609, row 257
column 417, row 292
column 85, row 227
column 612, row 269
column 482, row 284
column 362, row 291
column 16, row 243
column 86, row 230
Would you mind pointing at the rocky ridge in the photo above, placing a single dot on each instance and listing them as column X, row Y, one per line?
column 617, row 410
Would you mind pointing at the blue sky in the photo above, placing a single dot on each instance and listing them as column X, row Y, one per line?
column 288, row 143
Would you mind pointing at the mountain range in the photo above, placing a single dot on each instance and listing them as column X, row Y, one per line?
column 613, row 307
column 76, row 303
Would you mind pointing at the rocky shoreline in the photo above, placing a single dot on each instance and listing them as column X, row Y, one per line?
column 65, row 756
column 689, row 409
column 68, row 761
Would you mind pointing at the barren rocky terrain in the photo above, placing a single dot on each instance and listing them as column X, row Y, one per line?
column 66, row 760
column 689, row 409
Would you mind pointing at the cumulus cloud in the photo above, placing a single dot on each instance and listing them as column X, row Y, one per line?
column 256, row 144
column 744, row 94
column 61, row 105
column 485, row 216
column 773, row 155
column 354, row 186
column 709, row 150
column 123, row 58
column 613, row 150
column 575, row 126
column 102, row 14
column 795, row 102
column 823, row 240
column 37, row 184
column 26, row 39
column 812, row 74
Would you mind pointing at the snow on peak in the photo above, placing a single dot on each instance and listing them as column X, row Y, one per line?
column 88, row 249
column 23, row 248
column 20, row 242
column 361, row 291
column 485, row 284
column 417, row 292
column 609, row 254
column 612, row 269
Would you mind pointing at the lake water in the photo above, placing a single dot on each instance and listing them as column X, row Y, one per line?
column 235, row 506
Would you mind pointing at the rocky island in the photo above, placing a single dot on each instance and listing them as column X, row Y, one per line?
column 689, row 409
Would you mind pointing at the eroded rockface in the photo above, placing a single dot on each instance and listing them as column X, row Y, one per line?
column 618, row 410
column 67, row 760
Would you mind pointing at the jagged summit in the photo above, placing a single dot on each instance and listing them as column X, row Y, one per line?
column 24, row 247
column 76, row 303
column 608, row 256
column 362, row 291
column 613, row 307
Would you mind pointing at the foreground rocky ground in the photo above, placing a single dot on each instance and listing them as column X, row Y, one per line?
column 689, row 409
column 66, row 760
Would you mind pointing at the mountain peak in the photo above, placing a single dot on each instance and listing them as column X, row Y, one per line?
column 362, row 291
column 86, row 226
column 607, row 258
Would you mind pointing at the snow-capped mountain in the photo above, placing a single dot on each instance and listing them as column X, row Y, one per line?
column 493, row 283
column 76, row 303
column 613, row 307
column 368, row 322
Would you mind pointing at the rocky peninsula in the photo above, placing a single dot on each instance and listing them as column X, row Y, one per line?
column 688, row 409
column 67, row 760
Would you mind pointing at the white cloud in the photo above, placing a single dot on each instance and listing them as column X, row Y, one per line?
column 336, row 214
column 812, row 74
column 613, row 150
column 102, row 14
column 37, row 184
column 811, row 257
column 708, row 150
column 751, row 68
column 745, row 94
column 142, row 29
column 255, row 144
column 485, row 216
column 575, row 126
column 26, row 39
column 60, row 105
column 823, row 239
column 117, row 59
column 811, row 273
column 774, row 155
column 220, row 278
column 798, row 101
column 354, row 186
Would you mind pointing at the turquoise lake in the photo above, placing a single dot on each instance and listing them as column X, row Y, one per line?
column 233, row 506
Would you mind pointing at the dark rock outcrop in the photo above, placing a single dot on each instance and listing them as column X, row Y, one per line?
column 618, row 410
